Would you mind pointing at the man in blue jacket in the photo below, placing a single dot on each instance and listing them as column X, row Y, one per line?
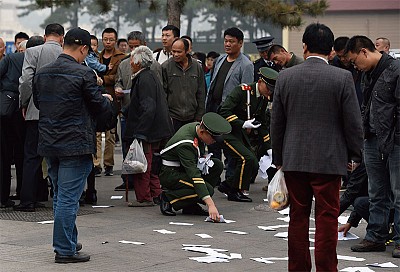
column 68, row 98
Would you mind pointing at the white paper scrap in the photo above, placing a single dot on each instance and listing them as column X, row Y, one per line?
column 261, row 260
column 349, row 236
column 46, row 222
column 204, row 235
column 236, row 232
column 282, row 234
column 236, row 256
column 385, row 265
column 357, row 269
column 206, row 250
column 272, row 228
column 343, row 219
column 221, row 220
column 265, row 200
column 191, row 245
column 180, row 224
column 130, row 242
column 350, row 258
column 116, row 197
column 164, row 231
column 209, row 259
column 103, row 206
column 284, row 211
column 285, row 219
column 277, row 258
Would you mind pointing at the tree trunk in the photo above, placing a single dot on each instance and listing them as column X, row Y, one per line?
column 74, row 21
column 174, row 11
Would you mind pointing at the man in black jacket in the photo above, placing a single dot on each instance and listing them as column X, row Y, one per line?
column 68, row 98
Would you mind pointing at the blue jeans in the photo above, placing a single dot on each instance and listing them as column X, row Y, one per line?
column 69, row 175
column 383, row 190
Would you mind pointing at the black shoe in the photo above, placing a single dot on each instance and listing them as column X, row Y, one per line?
column 76, row 258
column 78, row 247
column 224, row 188
column 165, row 206
column 108, row 171
column 194, row 209
column 157, row 200
column 15, row 197
column 91, row 197
column 122, row 187
column 39, row 205
column 368, row 246
column 97, row 172
column 8, row 204
column 238, row 197
column 25, row 207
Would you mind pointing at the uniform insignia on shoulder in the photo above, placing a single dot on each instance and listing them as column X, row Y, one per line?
column 246, row 87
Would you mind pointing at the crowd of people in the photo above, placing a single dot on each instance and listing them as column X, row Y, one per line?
column 327, row 119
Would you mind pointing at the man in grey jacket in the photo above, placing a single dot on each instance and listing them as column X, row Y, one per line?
column 316, row 136
column 35, row 58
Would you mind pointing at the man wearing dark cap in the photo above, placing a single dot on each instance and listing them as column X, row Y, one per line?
column 245, row 109
column 263, row 45
column 67, row 95
column 185, row 177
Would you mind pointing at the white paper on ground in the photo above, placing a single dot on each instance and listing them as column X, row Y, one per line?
column 350, row 258
column 206, row 250
column 343, row 219
column 284, row 211
column 349, row 236
column 116, row 197
column 277, row 258
column 181, row 224
column 46, row 222
column 103, row 206
column 385, row 265
column 266, row 200
column 164, row 231
column 285, row 219
column 221, row 220
column 130, row 242
column 204, row 235
column 209, row 259
column 282, row 234
column 357, row 269
column 236, row 256
column 236, row 232
column 261, row 260
column 191, row 245
column 272, row 228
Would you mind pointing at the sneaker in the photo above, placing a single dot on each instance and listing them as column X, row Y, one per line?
column 76, row 258
column 108, row 171
column 141, row 204
column 122, row 187
column 97, row 171
column 396, row 251
column 368, row 246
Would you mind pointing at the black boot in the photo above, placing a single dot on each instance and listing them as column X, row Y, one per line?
column 91, row 197
column 165, row 206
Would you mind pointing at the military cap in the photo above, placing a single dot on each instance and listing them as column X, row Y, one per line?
column 263, row 43
column 216, row 125
column 268, row 75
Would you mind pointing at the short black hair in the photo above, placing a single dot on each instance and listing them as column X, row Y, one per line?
column 318, row 38
column 176, row 31
column 213, row 54
column 340, row 43
column 54, row 29
column 234, row 32
column 110, row 30
column 184, row 41
column 21, row 35
column 276, row 48
column 93, row 37
column 356, row 43
column 34, row 41
column 121, row 40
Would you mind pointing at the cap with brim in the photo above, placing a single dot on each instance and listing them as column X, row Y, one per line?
column 216, row 125
column 263, row 43
column 269, row 76
column 78, row 36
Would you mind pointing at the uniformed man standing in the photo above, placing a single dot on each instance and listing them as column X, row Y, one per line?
column 263, row 45
column 245, row 109
column 184, row 184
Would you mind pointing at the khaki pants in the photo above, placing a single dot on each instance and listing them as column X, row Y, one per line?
column 108, row 159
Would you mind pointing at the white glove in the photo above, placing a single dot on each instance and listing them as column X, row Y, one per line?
column 269, row 152
column 249, row 124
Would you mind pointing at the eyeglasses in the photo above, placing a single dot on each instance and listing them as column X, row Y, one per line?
column 109, row 40
column 353, row 62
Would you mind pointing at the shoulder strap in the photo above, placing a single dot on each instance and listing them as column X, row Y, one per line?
column 176, row 144
column 158, row 55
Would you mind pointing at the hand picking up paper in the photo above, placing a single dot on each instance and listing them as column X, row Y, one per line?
column 251, row 124
column 221, row 220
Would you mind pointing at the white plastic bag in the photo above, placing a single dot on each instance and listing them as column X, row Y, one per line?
column 278, row 195
column 135, row 161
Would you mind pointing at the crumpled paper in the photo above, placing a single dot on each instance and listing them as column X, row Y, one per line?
column 205, row 163
column 264, row 163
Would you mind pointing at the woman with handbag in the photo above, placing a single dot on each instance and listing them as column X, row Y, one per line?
column 148, row 121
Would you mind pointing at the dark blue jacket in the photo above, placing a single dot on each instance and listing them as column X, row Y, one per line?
column 68, row 98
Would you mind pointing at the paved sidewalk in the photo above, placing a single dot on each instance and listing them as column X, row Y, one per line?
column 26, row 246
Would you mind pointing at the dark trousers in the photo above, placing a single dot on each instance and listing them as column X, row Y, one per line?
column 12, row 137
column 325, row 188
column 178, row 124
column 32, row 176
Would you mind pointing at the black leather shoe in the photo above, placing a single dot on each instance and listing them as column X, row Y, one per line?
column 39, row 205
column 8, row 204
column 224, row 188
column 15, row 197
column 76, row 258
column 157, row 200
column 91, row 197
column 194, row 209
column 165, row 206
column 122, row 187
column 25, row 207
column 238, row 197
column 78, row 247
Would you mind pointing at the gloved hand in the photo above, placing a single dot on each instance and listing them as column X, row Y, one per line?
column 249, row 124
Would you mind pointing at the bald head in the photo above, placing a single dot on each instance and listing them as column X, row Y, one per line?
column 2, row 48
column 382, row 44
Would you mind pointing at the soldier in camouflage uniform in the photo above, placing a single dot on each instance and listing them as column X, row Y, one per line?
column 184, row 184
column 245, row 109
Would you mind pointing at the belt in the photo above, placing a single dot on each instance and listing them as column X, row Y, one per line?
column 171, row 163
